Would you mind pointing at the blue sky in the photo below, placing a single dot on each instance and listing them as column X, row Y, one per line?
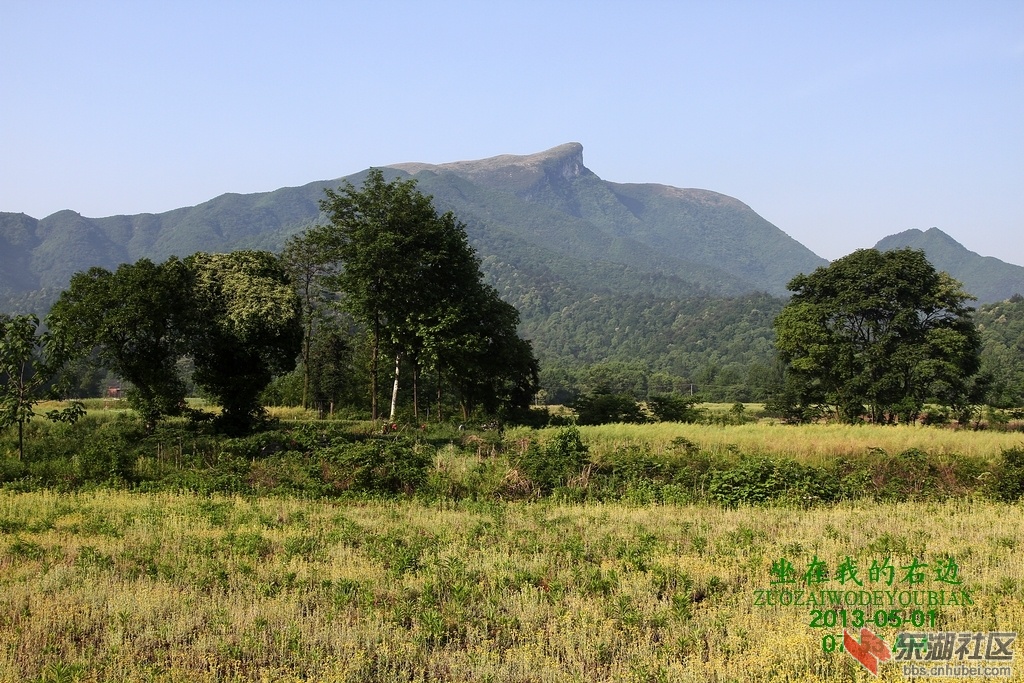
column 840, row 122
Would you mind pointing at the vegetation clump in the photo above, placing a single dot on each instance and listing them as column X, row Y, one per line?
column 664, row 463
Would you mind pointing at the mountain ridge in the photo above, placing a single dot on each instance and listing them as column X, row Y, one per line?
column 985, row 277
column 549, row 204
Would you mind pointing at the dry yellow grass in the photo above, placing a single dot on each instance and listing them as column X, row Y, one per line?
column 114, row 586
column 810, row 443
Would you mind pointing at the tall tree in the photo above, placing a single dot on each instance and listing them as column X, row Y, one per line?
column 377, row 234
column 878, row 329
column 135, row 320
column 310, row 259
column 391, row 244
column 248, row 328
column 490, row 365
column 330, row 358
column 452, row 286
column 23, row 372
column 411, row 277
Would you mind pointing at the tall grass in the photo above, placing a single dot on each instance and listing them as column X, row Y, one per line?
column 813, row 443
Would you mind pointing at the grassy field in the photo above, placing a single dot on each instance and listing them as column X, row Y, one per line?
column 812, row 443
column 118, row 586
column 477, row 576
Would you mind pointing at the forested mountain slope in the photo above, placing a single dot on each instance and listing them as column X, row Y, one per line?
column 984, row 277
column 1002, row 355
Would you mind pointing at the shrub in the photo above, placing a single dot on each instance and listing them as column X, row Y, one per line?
column 603, row 407
column 754, row 481
column 917, row 474
column 11, row 469
column 108, row 454
column 286, row 473
column 554, row 463
column 1007, row 482
column 934, row 416
column 261, row 445
column 378, row 466
column 674, row 408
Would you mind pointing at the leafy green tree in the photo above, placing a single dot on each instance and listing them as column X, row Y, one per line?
column 23, row 372
column 674, row 407
column 603, row 407
column 247, row 329
column 878, row 329
column 379, row 237
column 452, row 298
column 1002, row 352
column 331, row 358
column 410, row 276
column 133, row 321
column 488, row 363
column 310, row 260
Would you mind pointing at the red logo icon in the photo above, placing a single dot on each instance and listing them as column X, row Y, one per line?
column 870, row 651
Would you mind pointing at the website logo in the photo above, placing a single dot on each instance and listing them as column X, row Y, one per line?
column 870, row 651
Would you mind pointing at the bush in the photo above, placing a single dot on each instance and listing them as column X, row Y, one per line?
column 1007, row 482
column 916, row 474
column 674, row 408
column 602, row 407
column 935, row 416
column 755, row 481
column 554, row 463
column 11, row 469
column 261, row 445
column 377, row 466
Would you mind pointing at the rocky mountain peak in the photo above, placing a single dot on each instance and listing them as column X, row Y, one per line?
column 512, row 171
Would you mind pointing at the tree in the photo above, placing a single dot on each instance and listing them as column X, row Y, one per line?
column 379, row 237
column 1002, row 350
column 878, row 329
column 451, row 296
column 604, row 407
column 482, row 356
column 235, row 315
column 310, row 260
column 410, row 276
column 247, row 329
column 330, row 360
column 23, row 372
column 135, row 320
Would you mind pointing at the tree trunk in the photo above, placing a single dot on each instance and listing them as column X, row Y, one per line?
column 21, row 440
column 394, row 389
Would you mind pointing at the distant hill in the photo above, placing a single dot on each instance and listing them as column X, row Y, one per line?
column 985, row 277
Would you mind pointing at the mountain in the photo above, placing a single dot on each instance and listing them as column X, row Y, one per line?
column 552, row 201
column 548, row 203
column 632, row 286
column 985, row 277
